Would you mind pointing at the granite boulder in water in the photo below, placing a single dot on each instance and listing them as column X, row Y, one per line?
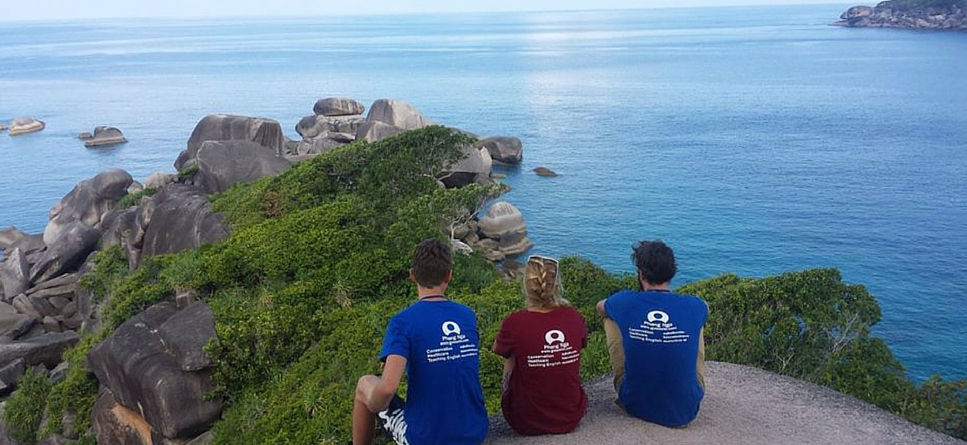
column 103, row 136
column 24, row 125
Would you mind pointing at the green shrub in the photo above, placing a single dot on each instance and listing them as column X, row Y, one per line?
column 133, row 199
column 25, row 409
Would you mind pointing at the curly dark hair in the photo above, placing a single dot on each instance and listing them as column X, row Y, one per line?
column 432, row 261
column 655, row 261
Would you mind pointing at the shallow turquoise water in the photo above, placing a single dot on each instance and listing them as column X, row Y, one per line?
column 753, row 140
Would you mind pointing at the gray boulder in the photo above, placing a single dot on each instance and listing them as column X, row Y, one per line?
column 513, row 244
column 374, row 131
column 24, row 125
column 313, row 126
column 14, row 274
column 116, row 225
column 311, row 147
column 67, row 251
column 502, row 219
column 10, row 375
column 10, row 236
column 88, row 202
column 30, row 245
column 503, row 150
column 545, row 172
column 143, row 364
column 10, row 324
column 337, row 106
column 473, row 168
column 105, row 136
column 396, row 113
column 178, row 217
column 157, row 180
column 223, row 127
column 222, row 164
column 45, row 349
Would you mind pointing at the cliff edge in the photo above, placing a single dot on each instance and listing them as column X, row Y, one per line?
column 743, row 406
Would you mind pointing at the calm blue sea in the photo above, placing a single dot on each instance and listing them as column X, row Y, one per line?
column 753, row 140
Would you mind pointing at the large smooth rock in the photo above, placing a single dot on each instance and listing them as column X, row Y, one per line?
column 116, row 225
column 223, row 127
column 157, row 180
column 374, row 131
column 396, row 113
column 474, row 167
column 143, row 363
column 503, row 149
column 513, row 244
column 314, row 126
column 222, row 164
column 24, row 125
column 45, row 349
column 10, row 236
column 337, row 106
column 66, row 252
column 180, row 218
column 14, row 274
column 113, row 424
column 30, row 245
column 105, row 136
column 10, row 375
column 311, row 147
column 501, row 219
column 88, row 202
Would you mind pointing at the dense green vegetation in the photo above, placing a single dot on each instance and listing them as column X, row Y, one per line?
column 317, row 263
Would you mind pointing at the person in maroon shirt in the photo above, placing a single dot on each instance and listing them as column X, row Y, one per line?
column 542, row 347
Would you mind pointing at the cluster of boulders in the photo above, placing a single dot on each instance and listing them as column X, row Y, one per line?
column 23, row 125
column 886, row 15
column 102, row 136
column 153, row 370
column 500, row 234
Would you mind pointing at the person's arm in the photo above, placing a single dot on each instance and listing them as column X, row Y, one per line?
column 382, row 392
column 601, row 311
column 509, row 363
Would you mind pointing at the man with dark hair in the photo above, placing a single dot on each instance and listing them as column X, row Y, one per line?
column 437, row 342
column 656, row 342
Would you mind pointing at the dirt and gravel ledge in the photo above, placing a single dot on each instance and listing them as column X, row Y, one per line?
column 743, row 406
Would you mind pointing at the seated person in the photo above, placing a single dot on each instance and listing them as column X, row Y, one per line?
column 542, row 347
column 656, row 342
column 437, row 342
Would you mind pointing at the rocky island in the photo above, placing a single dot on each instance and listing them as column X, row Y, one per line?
column 912, row 14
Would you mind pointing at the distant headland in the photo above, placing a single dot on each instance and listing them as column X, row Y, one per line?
column 913, row 14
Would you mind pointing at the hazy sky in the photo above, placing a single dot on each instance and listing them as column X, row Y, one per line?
column 13, row 10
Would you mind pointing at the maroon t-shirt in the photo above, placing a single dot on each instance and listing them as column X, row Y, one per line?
column 545, row 395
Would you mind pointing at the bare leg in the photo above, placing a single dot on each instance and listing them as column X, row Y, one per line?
column 616, row 351
column 363, row 418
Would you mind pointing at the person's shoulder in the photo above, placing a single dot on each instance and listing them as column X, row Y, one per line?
column 461, row 309
column 695, row 301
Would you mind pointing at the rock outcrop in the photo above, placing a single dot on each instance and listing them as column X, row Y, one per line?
column 474, row 167
column 14, row 274
column 88, row 202
column 222, row 164
column 396, row 113
column 178, row 217
column 154, row 365
column 157, row 180
column 311, row 127
column 103, row 136
column 907, row 14
column 500, row 234
column 503, row 150
column 24, row 125
column 223, row 127
column 337, row 106
column 374, row 131
column 66, row 252
column 742, row 406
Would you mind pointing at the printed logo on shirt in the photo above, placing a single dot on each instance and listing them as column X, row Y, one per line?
column 658, row 329
column 454, row 345
column 554, row 336
column 556, row 352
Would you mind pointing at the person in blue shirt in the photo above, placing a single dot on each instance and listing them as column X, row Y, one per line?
column 437, row 342
column 656, row 342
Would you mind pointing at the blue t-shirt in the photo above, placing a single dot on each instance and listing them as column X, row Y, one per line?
column 660, row 335
column 444, row 400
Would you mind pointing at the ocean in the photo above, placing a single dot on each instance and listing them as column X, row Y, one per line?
column 753, row 140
